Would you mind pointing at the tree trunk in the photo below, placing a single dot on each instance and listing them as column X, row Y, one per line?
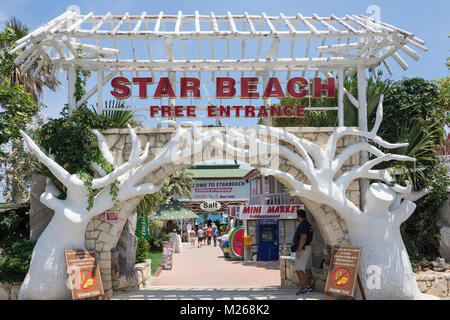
column 47, row 277
column 385, row 269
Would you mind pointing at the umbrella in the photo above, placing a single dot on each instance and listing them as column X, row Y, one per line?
column 174, row 210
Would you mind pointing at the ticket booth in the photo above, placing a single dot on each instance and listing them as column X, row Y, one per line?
column 268, row 245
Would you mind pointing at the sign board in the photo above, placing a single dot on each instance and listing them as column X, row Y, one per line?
column 225, row 189
column 210, row 206
column 111, row 216
column 84, row 273
column 286, row 211
column 167, row 255
column 226, row 88
column 343, row 270
column 248, row 240
column 142, row 227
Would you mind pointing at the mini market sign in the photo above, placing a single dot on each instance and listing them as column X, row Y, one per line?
column 296, row 87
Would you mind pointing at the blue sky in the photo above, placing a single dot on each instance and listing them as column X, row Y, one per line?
column 426, row 19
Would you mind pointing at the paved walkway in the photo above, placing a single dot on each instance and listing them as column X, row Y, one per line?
column 204, row 274
column 206, row 266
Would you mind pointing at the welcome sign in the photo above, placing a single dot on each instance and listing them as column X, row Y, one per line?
column 226, row 88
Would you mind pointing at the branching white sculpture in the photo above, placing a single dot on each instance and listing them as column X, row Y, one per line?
column 377, row 227
column 47, row 276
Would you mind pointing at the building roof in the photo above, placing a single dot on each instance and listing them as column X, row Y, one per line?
column 14, row 206
column 174, row 210
column 217, row 171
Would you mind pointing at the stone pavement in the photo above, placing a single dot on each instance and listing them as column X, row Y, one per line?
column 216, row 293
column 204, row 274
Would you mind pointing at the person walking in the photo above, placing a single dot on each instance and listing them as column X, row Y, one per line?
column 303, row 252
column 215, row 233
column 200, row 237
column 204, row 235
column 209, row 235
column 192, row 237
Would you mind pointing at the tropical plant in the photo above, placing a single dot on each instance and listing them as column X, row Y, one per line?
column 180, row 182
column 121, row 118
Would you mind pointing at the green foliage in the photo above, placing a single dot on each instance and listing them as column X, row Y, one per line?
column 17, row 249
column 142, row 250
column 408, row 99
column 157, row 235
column 15, row 260
column 420, row 232
column 120, row 117
column 444, row 92
column 223, row 228
column 180, row 182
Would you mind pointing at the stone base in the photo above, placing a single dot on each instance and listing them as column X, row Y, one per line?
column 434, row 283
column 9, row 291
column 139, row 278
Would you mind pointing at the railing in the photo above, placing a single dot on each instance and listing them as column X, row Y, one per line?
column 272, row 199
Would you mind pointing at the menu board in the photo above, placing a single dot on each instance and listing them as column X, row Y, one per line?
column 167, row 256
column 84, row 273
column 343, row 270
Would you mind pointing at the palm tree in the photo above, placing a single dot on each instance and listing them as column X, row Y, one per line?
column 121, row 118
column 180, row 182
column 34, row 83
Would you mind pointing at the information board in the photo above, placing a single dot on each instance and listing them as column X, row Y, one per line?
column 167, row 256
column 343, row 270
column 84, row 273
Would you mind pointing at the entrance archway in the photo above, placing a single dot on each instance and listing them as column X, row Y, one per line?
column 103, row 236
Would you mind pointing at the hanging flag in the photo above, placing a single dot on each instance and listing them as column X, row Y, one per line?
column 142, row 227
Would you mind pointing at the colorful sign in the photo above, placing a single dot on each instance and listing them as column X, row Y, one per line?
column 111, row 216
column 84, row 273
column 236, row 242
column 286, row 211
column 220, row 190
column 343, row 270
column 167, row 255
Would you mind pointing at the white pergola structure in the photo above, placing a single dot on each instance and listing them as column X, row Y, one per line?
column 107, row 44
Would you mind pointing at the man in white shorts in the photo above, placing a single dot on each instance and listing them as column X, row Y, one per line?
column 303, row 253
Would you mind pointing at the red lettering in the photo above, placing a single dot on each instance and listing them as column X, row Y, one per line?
column 224, row 111
column 142, row 82
column 237, row 109
column 212, row 111
column 190, row 112
column 291, row 87
column 153, row 110
column 164, row 89
column 121, row 91
column 248, row 86
column 300, row 111
column 179, row 111
column 271, row 92
column 290, row 113
column 165, row 111
column 262, row 112
column 275, row 111
column 189, row 84
column 319, row 86
column 249, row 111
column 225, row 87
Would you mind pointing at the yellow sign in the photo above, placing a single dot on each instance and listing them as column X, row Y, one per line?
column 247, row 240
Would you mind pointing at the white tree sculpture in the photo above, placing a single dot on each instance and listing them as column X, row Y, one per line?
column 47, row 276
column 377, row 227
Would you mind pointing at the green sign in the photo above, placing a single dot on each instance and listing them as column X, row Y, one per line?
column 142, row 227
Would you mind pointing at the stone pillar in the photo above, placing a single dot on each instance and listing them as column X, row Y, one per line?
column 127, row 245
column 40, row 215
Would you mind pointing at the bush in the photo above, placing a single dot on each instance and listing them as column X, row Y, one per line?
column 142, row 251
column 15, row 261
column 157, row 235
